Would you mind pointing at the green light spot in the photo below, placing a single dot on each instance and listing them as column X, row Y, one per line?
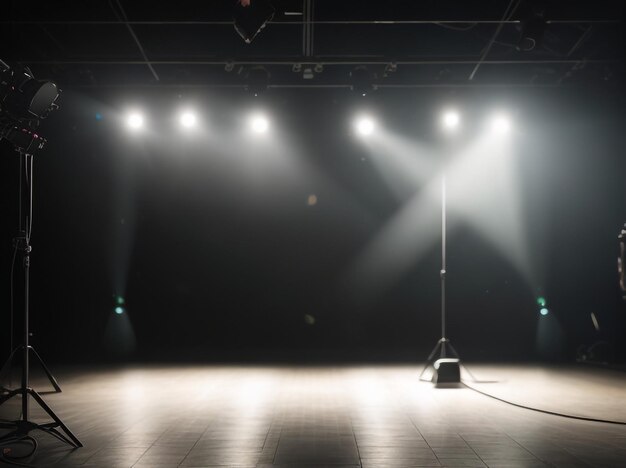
column 119, row 300
column 119, row 310
column 541, row 301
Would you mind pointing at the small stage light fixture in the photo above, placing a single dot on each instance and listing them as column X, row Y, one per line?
column 119, row 310
column 364, row 126
column 451, row 120
column 134, row 121
column 188, row 120
column 544, row 311
column 259, row 123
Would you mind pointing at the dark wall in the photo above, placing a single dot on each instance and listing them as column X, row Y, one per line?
column 218, row 255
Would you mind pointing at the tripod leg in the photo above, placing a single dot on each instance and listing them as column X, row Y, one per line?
column 9, row 395
column 6, row 368
column 56, row 419
column 456, row 355
column 51, row 378
column 429, row 361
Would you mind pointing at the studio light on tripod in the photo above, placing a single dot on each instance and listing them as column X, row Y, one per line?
column 24, row 97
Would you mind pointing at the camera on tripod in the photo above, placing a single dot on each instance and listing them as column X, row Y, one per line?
column 24, row 101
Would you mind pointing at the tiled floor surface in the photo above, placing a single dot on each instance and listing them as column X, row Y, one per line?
column 158, row 417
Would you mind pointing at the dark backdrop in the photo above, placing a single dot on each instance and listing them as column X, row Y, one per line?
column 219, row 256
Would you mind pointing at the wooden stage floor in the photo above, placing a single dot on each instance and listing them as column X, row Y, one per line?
column 347, row 416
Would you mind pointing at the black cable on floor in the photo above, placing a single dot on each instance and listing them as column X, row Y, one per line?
column 5, row 447
column 553, row 413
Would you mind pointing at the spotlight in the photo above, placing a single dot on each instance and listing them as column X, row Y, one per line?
column 250, row 16
column 259, row 123
column 188, row 119
column 544, row 311
column 501, row 124
column 119, row 310
column 451, row 120
column 134, row 120
column 364, row 126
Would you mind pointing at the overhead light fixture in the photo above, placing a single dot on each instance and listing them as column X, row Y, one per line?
column 450, row 120
column 364, row 125
column 134, row 121
column 188, row 120
column 251, row 16
column 259, row 123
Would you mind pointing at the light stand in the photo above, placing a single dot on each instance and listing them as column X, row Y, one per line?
column 23, row 426
column 20, row 242
column 443, row 349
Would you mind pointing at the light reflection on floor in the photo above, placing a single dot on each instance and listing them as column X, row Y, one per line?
column 367, row 416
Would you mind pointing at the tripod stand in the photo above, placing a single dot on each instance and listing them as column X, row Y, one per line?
column 23, row 426
column 443, row 349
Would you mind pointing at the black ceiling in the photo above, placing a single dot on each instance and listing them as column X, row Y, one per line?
column 316, row 42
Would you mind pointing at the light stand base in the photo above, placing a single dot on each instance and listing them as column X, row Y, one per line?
column 442, row 350
column 21, row 428
column 6, row 369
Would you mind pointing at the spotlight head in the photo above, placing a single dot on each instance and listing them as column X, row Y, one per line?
column 134, row 121
column 119, row 310
column 364, row 125
column 450, row 120
column 259, row 123
column 501, row 124
column 23, row 97
column 188, row 120
column 544, row 311
column 250, row 16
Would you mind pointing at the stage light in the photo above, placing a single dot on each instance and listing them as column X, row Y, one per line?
column 451, row 120
column 259, row 123
column 188, row 119
column 119, row 310
column 501, row 124
column 134, row 121
column 544, row 311
column 364, row 126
